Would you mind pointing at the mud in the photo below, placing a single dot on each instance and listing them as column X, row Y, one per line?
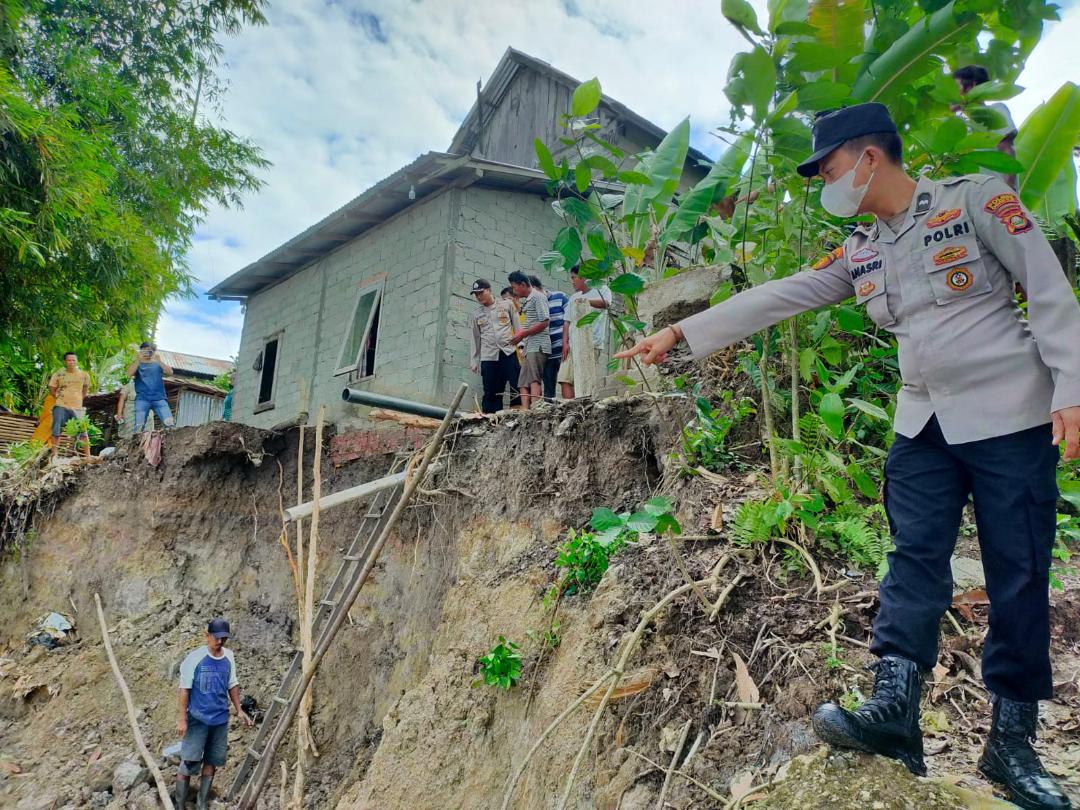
column 398, row 719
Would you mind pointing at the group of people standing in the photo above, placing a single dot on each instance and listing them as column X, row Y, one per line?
column 529, row 339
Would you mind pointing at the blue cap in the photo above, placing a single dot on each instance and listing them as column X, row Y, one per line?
column 840, row 126
column 218, row 628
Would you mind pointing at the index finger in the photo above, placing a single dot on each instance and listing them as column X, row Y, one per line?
column 636, row 349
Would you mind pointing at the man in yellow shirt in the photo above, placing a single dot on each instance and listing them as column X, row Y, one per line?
column 68, row 387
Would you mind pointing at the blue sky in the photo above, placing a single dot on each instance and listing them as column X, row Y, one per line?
column 340, row 93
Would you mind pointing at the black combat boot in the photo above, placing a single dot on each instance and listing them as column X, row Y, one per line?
column 180, row 794
column 888, row 723
column 1009, row 759
column 204, row 792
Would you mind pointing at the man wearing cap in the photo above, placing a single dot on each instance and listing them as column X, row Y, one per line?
column 987, row 397
column 494, row 357
column 208, row 684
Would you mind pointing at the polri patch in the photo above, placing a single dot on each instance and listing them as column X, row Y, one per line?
column 947, row 232
column 828, row 258
column 922, row 204
column 959, row 280
column 940, row 218
column 1008, row 211
column 951, row 254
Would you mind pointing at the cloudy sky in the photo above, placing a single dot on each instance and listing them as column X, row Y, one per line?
column 340, row 93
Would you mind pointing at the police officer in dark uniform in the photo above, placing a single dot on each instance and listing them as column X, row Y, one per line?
column 987, row 397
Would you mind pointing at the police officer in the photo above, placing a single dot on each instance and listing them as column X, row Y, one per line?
column 986, row 398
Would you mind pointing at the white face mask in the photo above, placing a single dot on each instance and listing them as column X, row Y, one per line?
column 842, row 198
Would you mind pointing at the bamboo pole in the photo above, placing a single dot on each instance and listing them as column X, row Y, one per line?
column 337, row 618
column 129, row 704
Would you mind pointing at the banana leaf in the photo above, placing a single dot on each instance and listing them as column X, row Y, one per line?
column 664, row 167
column 1060, row 199
column 838, row 24
column 715, row 185
column 912, row 55
column 1045, row 142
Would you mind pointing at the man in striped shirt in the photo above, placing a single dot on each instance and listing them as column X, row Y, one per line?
column 557, row 301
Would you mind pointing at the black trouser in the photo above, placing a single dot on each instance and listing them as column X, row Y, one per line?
column 1011, row 480
column 551, row 374
column 495, row 374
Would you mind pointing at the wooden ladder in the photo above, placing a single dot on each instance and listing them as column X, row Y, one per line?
column 352, row 564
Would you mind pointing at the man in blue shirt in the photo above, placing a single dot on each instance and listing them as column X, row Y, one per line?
column 148, row 375
column 208, row 684
column 557, row 302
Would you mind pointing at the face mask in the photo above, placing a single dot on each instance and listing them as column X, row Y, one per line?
column 842, row 198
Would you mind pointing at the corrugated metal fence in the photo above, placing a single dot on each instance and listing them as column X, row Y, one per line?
column 197, row 409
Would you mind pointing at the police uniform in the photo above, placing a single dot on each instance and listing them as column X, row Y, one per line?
column 973, row 414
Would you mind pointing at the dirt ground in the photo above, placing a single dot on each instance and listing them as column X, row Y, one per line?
column 398, row 719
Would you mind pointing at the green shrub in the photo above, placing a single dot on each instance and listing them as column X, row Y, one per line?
column 501, row 667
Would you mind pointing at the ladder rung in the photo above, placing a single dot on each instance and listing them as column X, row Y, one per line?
column 254, row 754
column 281, row 700
column 352, row 558
column 328, row 602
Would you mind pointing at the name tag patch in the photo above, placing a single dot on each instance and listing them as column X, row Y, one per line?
column 959, row 280
column 948, row 232
column 1008, row 211
column 950, row 254
column 940, row 218
column 828, row 258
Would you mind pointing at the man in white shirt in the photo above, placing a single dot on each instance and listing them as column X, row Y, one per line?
column 588, row 341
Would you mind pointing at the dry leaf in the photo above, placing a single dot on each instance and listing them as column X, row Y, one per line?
column 10, row 767
column 717, row 521
column 741, row 783
column 748, row 691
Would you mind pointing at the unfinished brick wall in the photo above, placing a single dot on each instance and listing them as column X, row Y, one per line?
column 346, row 447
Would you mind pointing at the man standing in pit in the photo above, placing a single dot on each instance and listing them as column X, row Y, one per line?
column 987, row 397
column 208, row 684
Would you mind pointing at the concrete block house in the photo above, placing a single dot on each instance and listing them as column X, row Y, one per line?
column 376, row 295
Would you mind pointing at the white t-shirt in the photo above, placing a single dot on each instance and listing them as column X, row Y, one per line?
column 599, row 326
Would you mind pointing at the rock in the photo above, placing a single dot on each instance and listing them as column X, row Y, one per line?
column 99, row 775
column 40, row 801
column 680, row 295
column 100, row 798
column 127, row 775
column 967, row 574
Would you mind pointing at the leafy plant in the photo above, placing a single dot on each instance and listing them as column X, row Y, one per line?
column 501, row 667
column 585, row 557
column 83, row 431
column 704, row 439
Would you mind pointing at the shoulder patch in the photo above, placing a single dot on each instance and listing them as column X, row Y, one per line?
column 1007, row 210
column 828, row 258
column 940, row 218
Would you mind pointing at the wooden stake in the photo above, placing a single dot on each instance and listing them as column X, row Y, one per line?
column 341, row 612
column 129, row 704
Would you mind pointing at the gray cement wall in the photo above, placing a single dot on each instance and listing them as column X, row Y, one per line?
column 428, row 257
column 314, row 308
column 497, row 232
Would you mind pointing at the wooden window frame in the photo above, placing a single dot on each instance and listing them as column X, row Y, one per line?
column 260, row 407
column 378, row 284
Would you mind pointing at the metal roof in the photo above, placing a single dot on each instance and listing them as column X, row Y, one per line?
column 194, row 364
column 429, row 174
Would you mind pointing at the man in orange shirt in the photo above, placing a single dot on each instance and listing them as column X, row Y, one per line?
column 68, row 387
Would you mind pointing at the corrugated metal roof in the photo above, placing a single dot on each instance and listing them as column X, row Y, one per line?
column 194, row 364
column 427, row 175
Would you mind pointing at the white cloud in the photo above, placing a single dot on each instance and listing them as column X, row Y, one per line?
column 340, row 93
